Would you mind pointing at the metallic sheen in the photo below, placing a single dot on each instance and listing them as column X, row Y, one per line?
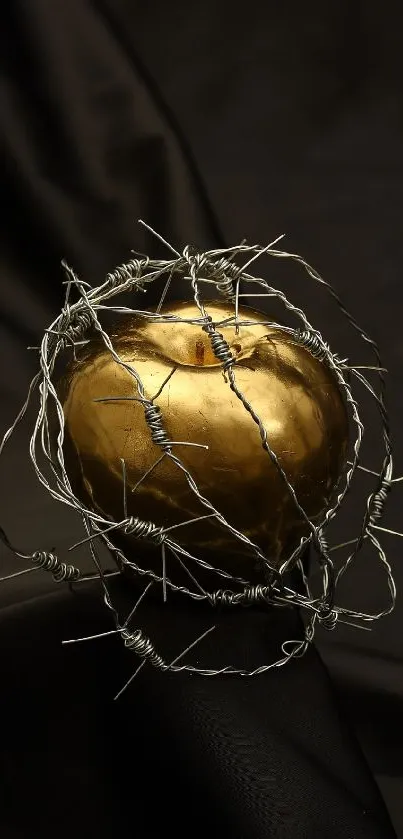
column 295, row 395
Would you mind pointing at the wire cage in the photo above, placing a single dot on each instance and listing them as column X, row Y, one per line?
column 225, row 273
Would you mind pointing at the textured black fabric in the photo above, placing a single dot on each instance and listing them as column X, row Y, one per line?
column 243, row 758
column 213, row 124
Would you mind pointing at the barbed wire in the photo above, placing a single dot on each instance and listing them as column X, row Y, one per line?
column 219, row 269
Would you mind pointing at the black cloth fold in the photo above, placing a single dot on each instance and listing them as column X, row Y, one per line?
column 213, row 124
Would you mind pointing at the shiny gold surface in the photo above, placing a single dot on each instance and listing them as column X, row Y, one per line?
column 295, row 395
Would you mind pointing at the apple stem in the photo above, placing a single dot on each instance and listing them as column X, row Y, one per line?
column 199, row 352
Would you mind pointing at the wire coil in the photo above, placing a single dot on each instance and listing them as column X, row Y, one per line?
column 249, row 596
column 153, row 419
column 127, row 272
column 138, row 643
column 219, row 346
column 313, row 343
column 143, row 530
column 61, row 571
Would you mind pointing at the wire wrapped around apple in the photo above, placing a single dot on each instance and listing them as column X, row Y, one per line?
column 119, row 468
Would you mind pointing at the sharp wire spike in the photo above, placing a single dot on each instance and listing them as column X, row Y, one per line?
column 189, row 573
column 124, row 487
column 109, row 632
column 92, row 637
column 387, row 530
column 355, row 625
column 364, row 469
column 18, row 574
column 159, row 237
column 132, row 677
column 90, row 578
column 190, row 647
column 238, row 283
column 117, row 399
column 164, row 292
column 137, row 604
column 165, row 382
column 164, row 573
column 365, row 367
column 175, row 660
column 187, row 443
column 265, row 294
column 343, row 545
column 261, row 252
column 189, row 521
column 96, row 535
column 148, row 472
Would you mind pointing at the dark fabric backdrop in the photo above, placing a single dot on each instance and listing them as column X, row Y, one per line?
column 213, row 123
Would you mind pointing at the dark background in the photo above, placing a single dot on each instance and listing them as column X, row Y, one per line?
column 213, row 123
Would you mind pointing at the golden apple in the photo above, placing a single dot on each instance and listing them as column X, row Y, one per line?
column 295, row 395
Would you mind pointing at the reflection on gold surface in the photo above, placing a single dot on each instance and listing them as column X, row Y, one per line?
column 294, row 394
